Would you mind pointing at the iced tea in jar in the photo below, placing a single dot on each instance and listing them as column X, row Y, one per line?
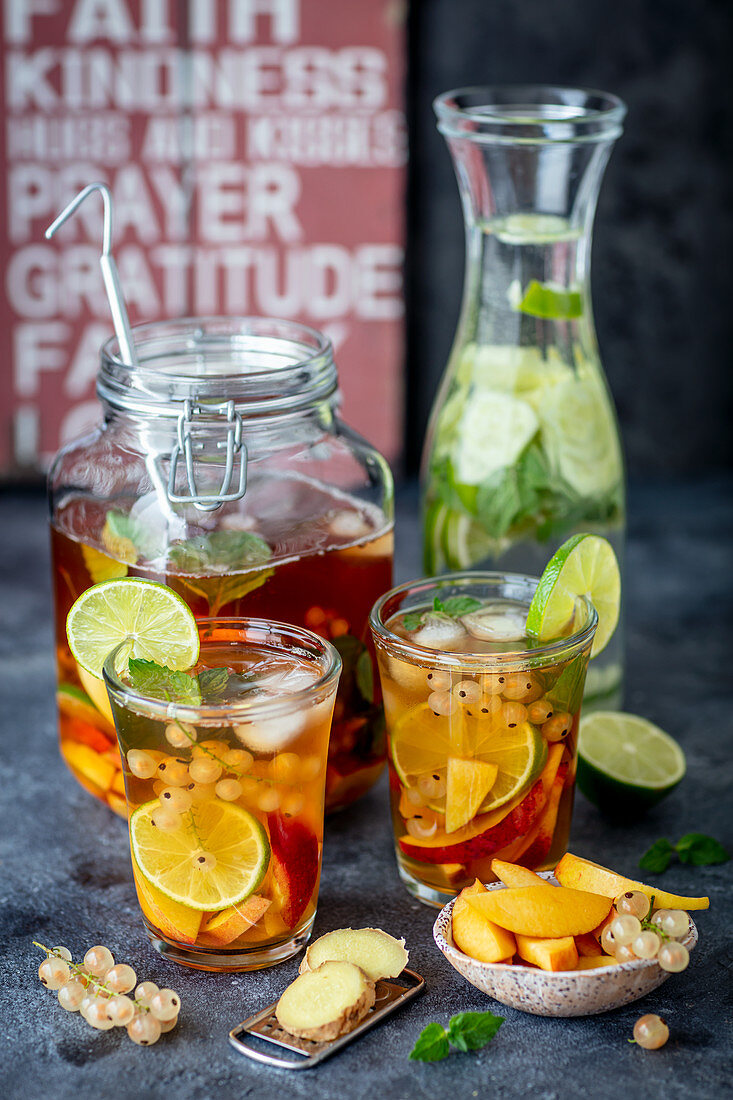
column 222, row 469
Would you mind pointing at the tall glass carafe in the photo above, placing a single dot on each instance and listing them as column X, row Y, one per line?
column 523, row 447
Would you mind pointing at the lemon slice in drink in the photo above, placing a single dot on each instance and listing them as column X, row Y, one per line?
column 585, row 565
column 625, row 763
column 423, row 743
column 217, row 856
column 160, row 626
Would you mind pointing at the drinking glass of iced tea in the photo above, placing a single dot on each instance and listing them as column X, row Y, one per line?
column 224, row 772
column 482, row 726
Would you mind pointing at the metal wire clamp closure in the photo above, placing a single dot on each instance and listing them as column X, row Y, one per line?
column 188, row 446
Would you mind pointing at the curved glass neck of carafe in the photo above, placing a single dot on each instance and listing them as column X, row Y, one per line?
column 528, row 211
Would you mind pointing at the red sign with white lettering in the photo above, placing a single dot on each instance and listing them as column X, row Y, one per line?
column 255, row 151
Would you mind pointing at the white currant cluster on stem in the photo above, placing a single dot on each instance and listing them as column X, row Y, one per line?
column 98, row 990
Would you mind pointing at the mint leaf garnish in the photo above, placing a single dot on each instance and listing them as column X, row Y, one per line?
column 466, row 1031
column 473, row 1030
column 700, row 850
column 162, row 682
column 696, row 849
column 432, row 1045
column 658, row 858
column 222, row 566
column 460, row 605
column 413, row 620
column 438, row 604
column 213, row 682
column 365, row 676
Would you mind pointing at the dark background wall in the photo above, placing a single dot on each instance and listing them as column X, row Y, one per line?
column 662, row 271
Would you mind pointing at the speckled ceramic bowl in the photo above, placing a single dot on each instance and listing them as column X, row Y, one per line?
column 562, row 993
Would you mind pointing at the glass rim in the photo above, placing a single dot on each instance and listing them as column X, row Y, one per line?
column 172, row 356
column 451, row 659
column 529, row 113
column 249, row 709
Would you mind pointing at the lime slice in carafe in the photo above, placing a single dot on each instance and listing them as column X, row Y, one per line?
column 160, row 626
column 585, row 565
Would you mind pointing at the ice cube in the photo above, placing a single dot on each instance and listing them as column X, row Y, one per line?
column 287, row 681
column 271, row 734
column 496, row 623
column 438, row 632
column 349, row 525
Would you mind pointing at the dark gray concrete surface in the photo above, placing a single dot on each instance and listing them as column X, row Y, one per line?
column 65, row 876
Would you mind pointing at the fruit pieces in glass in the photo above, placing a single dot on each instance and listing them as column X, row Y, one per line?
column 226, row 799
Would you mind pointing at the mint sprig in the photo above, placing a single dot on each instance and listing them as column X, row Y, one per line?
column 466, row 1031
column 162, row 682
column 694, row 848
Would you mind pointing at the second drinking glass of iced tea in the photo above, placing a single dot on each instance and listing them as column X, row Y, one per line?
column 482, row 725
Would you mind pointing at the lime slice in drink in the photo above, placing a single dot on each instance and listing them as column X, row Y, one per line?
column 579, row 436
column 216, row 857
column 625, row 764
column 423, row 744
column 493, row 431
column 585, row 565
column 553, row 303
column 160, row 626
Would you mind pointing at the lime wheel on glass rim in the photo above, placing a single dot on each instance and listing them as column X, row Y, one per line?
column 152, row 617
column 585, row 565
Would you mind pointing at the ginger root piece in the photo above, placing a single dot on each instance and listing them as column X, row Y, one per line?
column 324, row 1003
column 377, row 953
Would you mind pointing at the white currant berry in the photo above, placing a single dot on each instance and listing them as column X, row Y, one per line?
column 178, row 799
column 431, row 785
column 141, row 764
column 120, row 978
column 62, row 953
column 442, row 702
column 674, row 922
column 646, row 945
column 173, row 772
column 625, row 928
column 121, row 1010
column 165, row 819
column 71, row 994
column 673, row 957
column 98, row 1015
column 180, row 734
column 438, row 681
column 268, row 799
column 168, row 1025
column 239, row 759
column 144, row 1029
column 229, row 790
column 608, row 943
column 651, row 1032
column 53, row 972
column 98, row 960
column 165, row 1005
column 624, row 953
column 204, row 770
column 421, row 828
column 467, row 692
column 145, row 992
column 633, row 904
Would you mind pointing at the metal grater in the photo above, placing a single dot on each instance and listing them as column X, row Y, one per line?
column 390, row 996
